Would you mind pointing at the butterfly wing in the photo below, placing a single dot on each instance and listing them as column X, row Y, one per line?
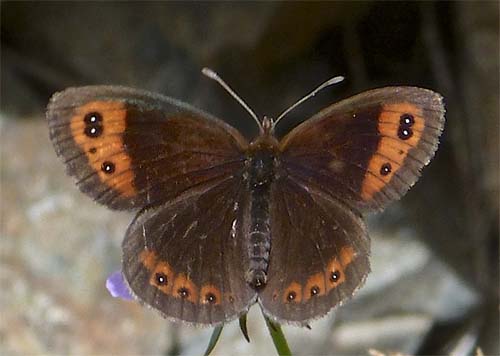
column 187, row 257
column 357, row 155
column 129, row 148
column 318, row 258
column 367, row 151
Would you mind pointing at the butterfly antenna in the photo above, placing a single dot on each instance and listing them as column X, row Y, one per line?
column 212, row 75
column 329, row 82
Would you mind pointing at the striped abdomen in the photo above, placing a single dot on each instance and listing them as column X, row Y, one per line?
column 260, row 179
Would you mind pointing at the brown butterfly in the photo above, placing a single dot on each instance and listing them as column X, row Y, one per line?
column 224, row 222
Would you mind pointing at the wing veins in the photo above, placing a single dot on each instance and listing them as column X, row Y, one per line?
column 345, row 235
column 313, row 172
column 342, row 183
column 161, row 181
column 314, row 242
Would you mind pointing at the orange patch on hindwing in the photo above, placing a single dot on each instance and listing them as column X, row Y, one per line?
column 315, row 286
column 293, row 293
column 162, row 275
column 97, row 128
column 178, row 285
column 346, row 256
column 400, row 127
column 209, row 294
column 335, row 273
column 319, row 284
column 184, row 288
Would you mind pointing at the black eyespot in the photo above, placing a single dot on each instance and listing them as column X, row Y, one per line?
column 93, row 130
column 231, row 299
column 385, row 169
column 405, row 133
column 161, row 279
column 406, row 120
column 108, row 167
column 291, row 296
column 315, row 291
column 92, row 118
column 210, row 298
column 92, row 150
column 183, row 292
column 335, row 276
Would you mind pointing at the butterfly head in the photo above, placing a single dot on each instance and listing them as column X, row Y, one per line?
column 265, row 141
column 267, row 126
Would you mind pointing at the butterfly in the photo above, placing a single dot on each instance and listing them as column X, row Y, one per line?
column 224, row 222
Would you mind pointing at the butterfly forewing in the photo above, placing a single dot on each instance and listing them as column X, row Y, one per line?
column 187, row 258
column 367, row 151
column 319, row 253
column 129, row 148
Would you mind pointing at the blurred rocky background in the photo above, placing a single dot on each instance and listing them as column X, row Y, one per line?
column 434, row 286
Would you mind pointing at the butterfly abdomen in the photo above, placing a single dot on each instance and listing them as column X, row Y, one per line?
column 260, row 177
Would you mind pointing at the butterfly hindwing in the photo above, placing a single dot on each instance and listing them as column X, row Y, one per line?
column 128, row 148
column 319, row 254
column 188, row 258
column 367, row 150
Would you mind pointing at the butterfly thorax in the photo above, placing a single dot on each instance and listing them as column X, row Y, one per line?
column 261, row 172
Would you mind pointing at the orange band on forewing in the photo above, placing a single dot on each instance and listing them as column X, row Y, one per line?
column 108, row 146
column 391, row 150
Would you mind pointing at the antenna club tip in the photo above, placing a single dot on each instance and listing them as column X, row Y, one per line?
column 208, row 72
column 329, row 82
column 336, row 80
column 212, row 75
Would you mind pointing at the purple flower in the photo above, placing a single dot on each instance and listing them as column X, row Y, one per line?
column 117, row 286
